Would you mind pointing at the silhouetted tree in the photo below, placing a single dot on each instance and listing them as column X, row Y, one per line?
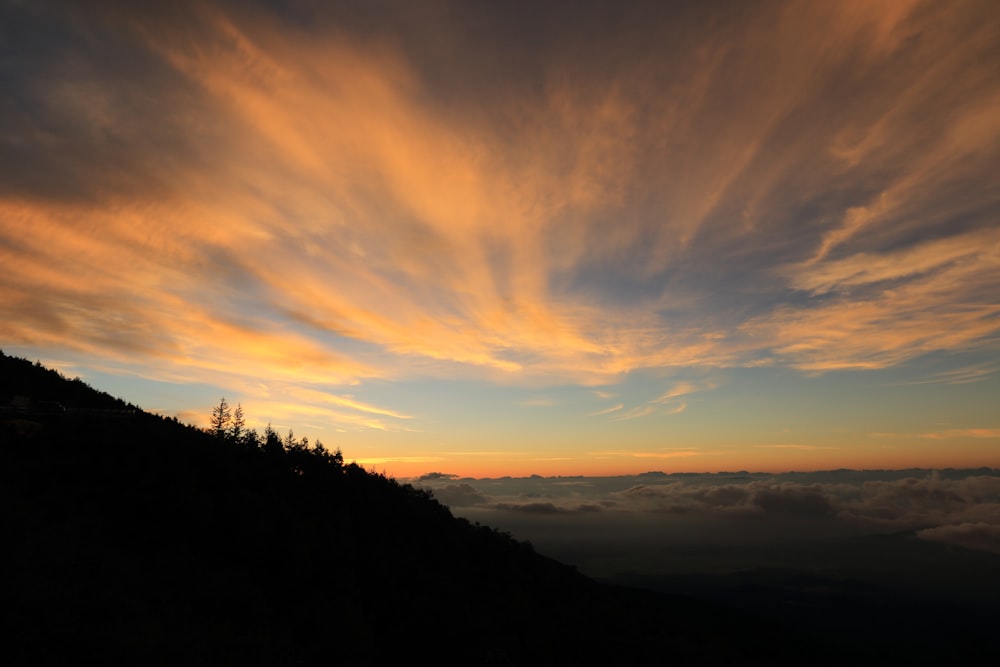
column 237, row 430
column 252, row 439
column 272, row 441
column 221, row 417
column 337, row 457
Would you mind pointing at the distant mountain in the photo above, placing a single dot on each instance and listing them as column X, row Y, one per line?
column 134, row 539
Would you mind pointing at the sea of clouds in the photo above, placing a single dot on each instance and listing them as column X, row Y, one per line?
column 725, row 521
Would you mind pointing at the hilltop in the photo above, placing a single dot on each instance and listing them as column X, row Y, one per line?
column 133, row 538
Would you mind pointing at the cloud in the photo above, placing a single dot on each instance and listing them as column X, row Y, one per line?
column 870, row 526
column 297, row 411
column 240, row 194
column 637, row 412
column 307, row 395
column 979, row 536
column 547, row 508
column 963, row 433
column 796, row 501
column 531, row 508
column 858, row 501
column 679, row 498
column 435, row 476
column 807, row 448
column 665, row 454
column 963, row 375
column 381, row 460
column 459, row 495
column 667, row 403
column 658, row 524
column 928, row 499
column 861, row 269
column 878, row 309
column 681, row 389
column 607, row 411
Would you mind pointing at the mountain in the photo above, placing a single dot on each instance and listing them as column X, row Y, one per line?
column 135, row 539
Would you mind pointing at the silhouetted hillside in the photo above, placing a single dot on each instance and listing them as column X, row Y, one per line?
column 30, row 386
column 134, row 539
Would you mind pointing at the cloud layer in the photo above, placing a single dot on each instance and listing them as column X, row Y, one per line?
column 960, row 507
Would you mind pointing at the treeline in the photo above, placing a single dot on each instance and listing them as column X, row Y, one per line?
column 229, row 425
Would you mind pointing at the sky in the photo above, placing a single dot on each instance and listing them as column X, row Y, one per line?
column 486, row 239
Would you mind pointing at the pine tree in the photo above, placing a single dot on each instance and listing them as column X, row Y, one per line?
column 252, row 439
column 221, row 417
column 272, row 441
column 238, row 428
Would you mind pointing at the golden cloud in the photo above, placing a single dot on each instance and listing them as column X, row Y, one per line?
column 338, row 223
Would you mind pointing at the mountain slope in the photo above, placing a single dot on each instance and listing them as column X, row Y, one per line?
column 136, row 539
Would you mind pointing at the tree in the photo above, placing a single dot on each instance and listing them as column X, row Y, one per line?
column 335, row 457
column 272, row 441
column 252, row 439
column 221, row 417
column 238, row 428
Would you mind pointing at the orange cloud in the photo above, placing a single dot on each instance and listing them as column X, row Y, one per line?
column 964, row 433
column 310, row 214
column 314, row 396
column 934, row 303
column 654, row 454
column 799, row 447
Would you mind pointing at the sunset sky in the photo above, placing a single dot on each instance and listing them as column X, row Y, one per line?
column 518, row 237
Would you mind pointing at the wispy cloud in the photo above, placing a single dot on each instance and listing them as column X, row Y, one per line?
column 296, row 411
column 637, row 412
column 375, row 461
column 653, row 454
column 936, row 302
column 438, row 231
column 229, row 197
column 962, row 375
column 606, row 411
column 678, row 390
column 670, row 402
column 314, row 396
column 963, row 433
column 665, row 455
column 806, row 448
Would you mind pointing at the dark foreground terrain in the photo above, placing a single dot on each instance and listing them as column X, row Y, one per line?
column 134, row 539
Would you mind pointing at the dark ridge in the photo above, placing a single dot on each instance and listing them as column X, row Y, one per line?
column 134, row 539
